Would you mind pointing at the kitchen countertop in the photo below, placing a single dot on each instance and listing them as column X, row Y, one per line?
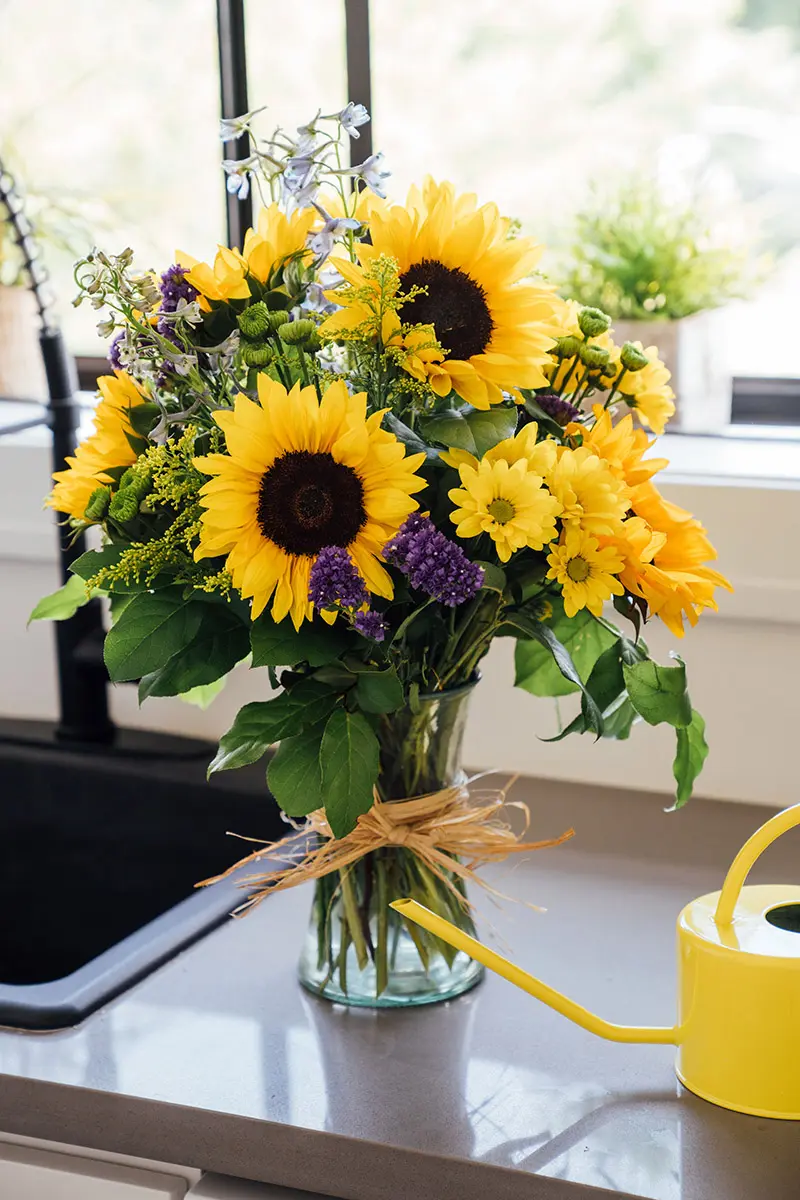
column 219, row 1060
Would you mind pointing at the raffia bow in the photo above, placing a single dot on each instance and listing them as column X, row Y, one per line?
column 441, row 828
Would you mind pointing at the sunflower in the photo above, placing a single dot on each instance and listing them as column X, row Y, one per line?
column 648, row 391
column 506, row 500
column 105, row 448
column 495, row 330
column 586, row 571
column 302, row 474
column 589, row 493
column 277, row 237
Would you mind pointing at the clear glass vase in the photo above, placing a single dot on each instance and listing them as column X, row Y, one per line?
column 360, row 951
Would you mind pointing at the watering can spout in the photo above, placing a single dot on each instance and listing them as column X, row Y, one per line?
column 412, row 911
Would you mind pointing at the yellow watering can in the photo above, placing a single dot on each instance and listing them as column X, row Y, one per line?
column 738, row 1028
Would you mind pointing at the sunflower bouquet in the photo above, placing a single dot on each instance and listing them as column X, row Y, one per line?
column 354, row 452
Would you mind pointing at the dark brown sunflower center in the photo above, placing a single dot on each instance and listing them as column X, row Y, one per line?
column 308, row 501
column 454, row 304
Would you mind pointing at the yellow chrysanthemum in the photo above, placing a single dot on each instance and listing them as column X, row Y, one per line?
column 590, row 495
column 106, row 447
column 650, row 395
column 276, row 238
column 507, row 501
column 619, row 445
column 301, row 474
column 676, row 583
column 586, row 571
column 495, row 330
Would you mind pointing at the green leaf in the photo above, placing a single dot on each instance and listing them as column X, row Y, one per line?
column 149, row 631
column 542, row 633
column 379, row 691
column 543, row 419
column 63, row 604
column 606, row 686
column 350, row 757
column 620, row 719
column 412, row 441
column 88, row 564
column 282, row 645
column 294, row 774
column 492, row 426
column 494, row 577
column 582, row 637
column 659, row 693
column 143, row 417
column 449, row 428
column 221, row 641
column 690, row 754
column 259, row 725
column 203, row 696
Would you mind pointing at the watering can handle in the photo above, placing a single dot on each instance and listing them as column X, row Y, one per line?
column 753, row 848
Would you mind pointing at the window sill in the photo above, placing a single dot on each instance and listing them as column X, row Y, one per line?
column 763, row 457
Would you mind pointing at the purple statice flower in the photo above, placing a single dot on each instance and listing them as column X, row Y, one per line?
column 433, row 563
column 560, row 410
column 370, row 624
column 335, row 580
column 113, row 351
column 173, row 288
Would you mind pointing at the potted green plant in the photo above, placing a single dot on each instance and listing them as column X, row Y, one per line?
column 655, row 268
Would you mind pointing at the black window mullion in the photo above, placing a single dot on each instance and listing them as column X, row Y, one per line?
column 234, row 102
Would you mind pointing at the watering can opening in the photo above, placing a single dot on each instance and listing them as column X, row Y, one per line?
column 784, row 916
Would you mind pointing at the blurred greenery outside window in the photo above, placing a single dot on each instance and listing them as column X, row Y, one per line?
column 114, row 112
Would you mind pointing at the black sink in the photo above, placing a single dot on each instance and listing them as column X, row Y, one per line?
column 99, row 855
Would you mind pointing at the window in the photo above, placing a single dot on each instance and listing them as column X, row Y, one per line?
column 113, row 113
column 108, row 115
column 527, row 103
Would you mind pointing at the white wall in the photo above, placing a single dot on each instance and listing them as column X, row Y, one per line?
column 743, row 663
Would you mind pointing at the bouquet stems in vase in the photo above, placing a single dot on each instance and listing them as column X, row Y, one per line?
column 356, row 450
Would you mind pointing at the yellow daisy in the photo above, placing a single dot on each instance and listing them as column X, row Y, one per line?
column 589, row 493
column 301, row 474
column 541, row 456
column 507, row 501
column 106, row 447
column 585, row 571
column 495, row 330
column 276, row 238
column 648, row 391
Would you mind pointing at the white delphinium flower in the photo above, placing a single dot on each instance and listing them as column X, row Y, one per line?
column 351, row 116
column 300, row 181
column 372, row 174
column 322, row 241
column 231, row 128
column 238, row 171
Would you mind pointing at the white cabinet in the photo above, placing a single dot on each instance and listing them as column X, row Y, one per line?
column 222, row 1187
column 27, row 1173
